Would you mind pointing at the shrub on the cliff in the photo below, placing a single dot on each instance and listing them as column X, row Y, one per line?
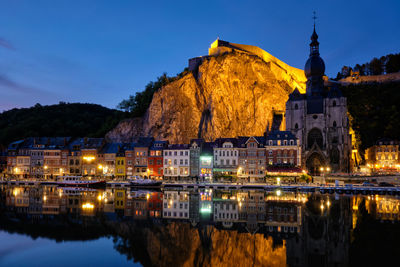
column 137, row 105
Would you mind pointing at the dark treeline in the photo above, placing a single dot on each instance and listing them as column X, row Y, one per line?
column 64, row 119
column 138, row 104
column 375, row 111
column 377, row 66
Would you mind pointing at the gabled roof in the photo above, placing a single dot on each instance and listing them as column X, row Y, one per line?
column 280, row 135
column 220, row 141
column 177, row 146
column 145, row 141
column 157, row 145
column 112, row 148
column 296, row 95
column 334, row 92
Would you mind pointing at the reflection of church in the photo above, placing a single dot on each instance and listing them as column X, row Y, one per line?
column 319, row 118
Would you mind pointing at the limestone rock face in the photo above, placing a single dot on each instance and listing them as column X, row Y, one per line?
column 233, row 94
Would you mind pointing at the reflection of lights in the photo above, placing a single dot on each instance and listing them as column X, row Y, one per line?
column 322, row 207
column 278, row 192
column 240, row 204
column 205, row 210
column 328, row 203
column 87, row 206
column 44, row 198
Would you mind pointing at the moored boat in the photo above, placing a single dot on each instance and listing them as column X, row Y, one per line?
column 77, row 181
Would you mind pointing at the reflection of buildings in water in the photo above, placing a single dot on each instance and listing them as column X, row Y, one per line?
column 284, row 213
column 252, row 209
column 155, row 200
column 383, row 208
column 205, row 205
column 325, row 239
column 176, row 205
column 226, row 211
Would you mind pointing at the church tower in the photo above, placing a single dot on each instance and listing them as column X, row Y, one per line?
column 319, row 118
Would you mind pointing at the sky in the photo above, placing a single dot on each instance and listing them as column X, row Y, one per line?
column 103, row 51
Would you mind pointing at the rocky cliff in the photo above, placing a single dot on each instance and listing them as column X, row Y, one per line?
column 230, row 94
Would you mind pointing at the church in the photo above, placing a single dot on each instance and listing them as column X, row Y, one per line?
column 319, row 119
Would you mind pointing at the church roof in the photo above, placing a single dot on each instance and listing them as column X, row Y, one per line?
column 296, row 95
column 335, row 92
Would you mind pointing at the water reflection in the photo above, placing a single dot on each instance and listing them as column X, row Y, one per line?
column 212, row 227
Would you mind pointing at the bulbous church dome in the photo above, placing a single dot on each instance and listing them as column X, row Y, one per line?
column 315, row 66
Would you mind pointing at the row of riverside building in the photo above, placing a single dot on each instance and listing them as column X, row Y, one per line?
column 242, row 157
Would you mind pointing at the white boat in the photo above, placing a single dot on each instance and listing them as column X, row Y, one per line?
column 76, row 181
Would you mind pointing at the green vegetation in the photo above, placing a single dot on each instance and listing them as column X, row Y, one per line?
column 385, row 64
column 64, row 119
column 305, row 178
column 137, row 105
column 375, row 111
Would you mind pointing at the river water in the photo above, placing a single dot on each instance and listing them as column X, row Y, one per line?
column 51, row 226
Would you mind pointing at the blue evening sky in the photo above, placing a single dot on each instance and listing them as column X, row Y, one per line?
column 103, row 51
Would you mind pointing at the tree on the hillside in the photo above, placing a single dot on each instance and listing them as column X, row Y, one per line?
column 375, row 67
column 393, row 63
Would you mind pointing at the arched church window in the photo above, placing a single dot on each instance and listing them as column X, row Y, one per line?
column 296, row 106
column 296, row 126
column 315, row 137
column 334, row 124
column 334, row 103
column 334, row 155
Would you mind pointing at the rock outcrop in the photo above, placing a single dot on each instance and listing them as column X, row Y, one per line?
column 231, row 93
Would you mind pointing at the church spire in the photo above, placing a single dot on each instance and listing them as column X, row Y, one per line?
column 314, row 45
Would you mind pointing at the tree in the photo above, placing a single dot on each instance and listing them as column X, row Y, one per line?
column 137, row 105
column 375, row 67
column 393, row 63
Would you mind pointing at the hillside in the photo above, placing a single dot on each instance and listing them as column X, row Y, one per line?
column 63, row 119
column 374, row 109
column 231, row 92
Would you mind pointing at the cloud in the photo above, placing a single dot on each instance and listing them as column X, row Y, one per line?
column 17, row 87
column 4, row 43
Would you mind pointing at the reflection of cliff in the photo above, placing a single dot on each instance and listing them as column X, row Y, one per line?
column 178, row 244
